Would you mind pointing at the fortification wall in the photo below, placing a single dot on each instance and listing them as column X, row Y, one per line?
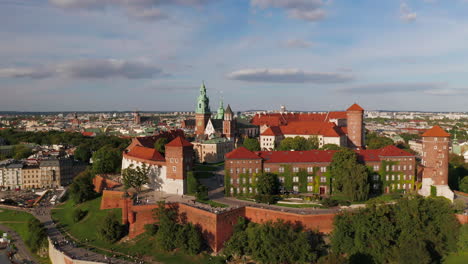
column 58, row 257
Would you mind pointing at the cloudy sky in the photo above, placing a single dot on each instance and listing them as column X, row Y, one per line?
column 92, row 55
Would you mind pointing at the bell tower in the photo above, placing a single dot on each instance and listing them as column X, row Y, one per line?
column 228, row 123
column 202, row 111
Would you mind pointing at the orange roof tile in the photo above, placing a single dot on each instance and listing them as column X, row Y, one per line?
column 436, row 131
column 145, row 153
column 241, row 153
column 355, row 107
column 179, row 142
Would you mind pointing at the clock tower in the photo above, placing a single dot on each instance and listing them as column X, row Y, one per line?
column 202, row 111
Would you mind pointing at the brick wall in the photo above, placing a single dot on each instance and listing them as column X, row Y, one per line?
column 100, row 183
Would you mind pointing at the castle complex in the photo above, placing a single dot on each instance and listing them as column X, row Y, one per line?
column 345, row 129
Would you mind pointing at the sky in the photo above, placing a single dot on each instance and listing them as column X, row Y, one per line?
column 309, row 55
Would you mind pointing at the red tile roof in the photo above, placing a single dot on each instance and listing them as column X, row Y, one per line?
column 241, row 153
column 326, row 129
column 272, row 131
column 149, row 141
column 355, row 107
column 179, row 142
column 436, row 131
column 278, row 119
column 315, row 155
column 88, row 134
column 145, row 153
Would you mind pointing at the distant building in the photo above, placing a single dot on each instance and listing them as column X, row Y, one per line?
column 416, row 145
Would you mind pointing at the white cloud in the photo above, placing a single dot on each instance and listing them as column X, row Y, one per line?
column 297, row 43
column 87, row 69
column 310, row 10
column 288, row 76
column 436, row 89
column 406, row 14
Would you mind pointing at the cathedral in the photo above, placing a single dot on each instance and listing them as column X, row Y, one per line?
column 215, row 134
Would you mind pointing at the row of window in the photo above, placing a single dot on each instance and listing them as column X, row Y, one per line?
column 395, row 167
column 309, row 179
column 296, row 169
column 174, row 160
column 244, row 170
column 398, row 186
column 254, row 190
column 405, row 177
column 243, row 161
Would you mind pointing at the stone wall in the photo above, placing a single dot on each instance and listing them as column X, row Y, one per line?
column 58, row 257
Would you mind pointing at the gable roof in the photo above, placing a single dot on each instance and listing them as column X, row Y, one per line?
column 241, row 153
column 145, row 153
column 355, row 107
column 278, row 119
column 436, row 131
column 326, row 129
column 179, row 142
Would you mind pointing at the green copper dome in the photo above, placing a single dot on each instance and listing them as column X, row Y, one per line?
column 203, row 104
column 220, row 113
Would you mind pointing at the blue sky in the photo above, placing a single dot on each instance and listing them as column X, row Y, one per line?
column 152, row 55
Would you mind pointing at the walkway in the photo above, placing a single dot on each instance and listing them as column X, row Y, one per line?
column 23, row 255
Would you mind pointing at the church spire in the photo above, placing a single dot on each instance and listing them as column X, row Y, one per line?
column 220, row 112
column 203, row 104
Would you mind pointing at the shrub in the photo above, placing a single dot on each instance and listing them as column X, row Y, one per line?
column 78, row 214
column 344, row 203
column 433, row 191
column 265, row 198
column 111, row 230
column 151, row 229
column 328, row 202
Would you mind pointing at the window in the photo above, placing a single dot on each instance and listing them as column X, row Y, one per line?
column 237, row 180
column 409, row 177
column 267, row 169
column 410, row 167
column 295, row 179
column 172, row 160
column 250, row 161
column 243, row 170
column 174, row 168
column 398, row 167
column 398, row 186
column 295, row 169
column 176, row 160
column 256, row 170
column 393, row 177
column 244, row 180
column 310, row 188
column 376, row 177
column 387, row 168
column 250, row 170
column 296, row 188
column 231, row 170
column 404, row 177
column 244, row 190
column 310, row 169
column 404, row 185
column 386, row 177
column 435, row 147
column 243, row 161
column 375, row 186
column 398, row 178
column 250, row 180
column 231, row 180
column 237, row 170
column 281, row 179
column 250, row 190
column 376, row 167
column 323, row 169
column 409, row 186
column 393, row 167
column 281, row 169
column 323, row 179
column 310, row 179
column 232, row 190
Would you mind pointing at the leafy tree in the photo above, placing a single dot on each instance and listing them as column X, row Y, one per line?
column 21, row 152
column 407, row 137
column 78, row 214
column 375, row 142
column 160, row 145
column 107, row 160
column 82, row 188
column 202, row 192
column 464, row 184
column 166, row 237
column 135, row 177
column 330, row 147
column 37, row 235
column 110, row 229
column 299, row 143
column 192, row 183
column 151, row 229
column 349, row 177
column 251, row 144
column 414, row 230
column 83, row 153
column 312, row 143
column 192, row 241
column 267, row 186
column 274, row 242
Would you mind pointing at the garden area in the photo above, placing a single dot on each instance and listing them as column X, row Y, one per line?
column 85, row 231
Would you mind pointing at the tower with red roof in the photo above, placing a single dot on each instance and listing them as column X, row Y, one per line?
column 202, row 111
column 435, row 162
column 355, row 126
column 179, row 153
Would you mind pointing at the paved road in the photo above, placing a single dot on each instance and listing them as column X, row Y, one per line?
column 23, row 255
column 66, row 246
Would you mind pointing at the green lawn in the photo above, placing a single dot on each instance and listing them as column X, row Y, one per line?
column 457, row 258
column 300, row 205
column 20, row 228
column 212, row 203
column 142, row 245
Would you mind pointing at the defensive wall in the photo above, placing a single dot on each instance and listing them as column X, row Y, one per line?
column 102, row 182
column 216, row 227
column 58, row 257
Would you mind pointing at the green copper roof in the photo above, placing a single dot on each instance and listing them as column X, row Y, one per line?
column 203, row 104
column 220, row 113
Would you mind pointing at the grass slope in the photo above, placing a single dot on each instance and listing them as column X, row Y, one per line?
column 87, row 228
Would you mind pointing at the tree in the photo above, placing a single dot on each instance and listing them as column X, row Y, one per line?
column 330, row 147
column 464, row 184
column 312, row 143
column 82, row 188
column 78, row 214
column 135, row 177
column 251, row 144
column 375, row 142
column 414, row 230
column 299, row 143
column 192, row 183
column 267, row 186
column 107, row 160
column 83, row 153
column 37, row 235
column 349, row 177
column 202, row 192
column 160, row 145
column 274, row 242
column 21, row 152
column 110, row 229
column 166, row 237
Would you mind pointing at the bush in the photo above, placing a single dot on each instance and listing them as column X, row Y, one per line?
column 328, row 202
column 265, row 198
column 344, row 203
column 37, row 236
column 151, row 229
column 111, row 230
column 433, row 191
column 78, row 214
column 202, row 192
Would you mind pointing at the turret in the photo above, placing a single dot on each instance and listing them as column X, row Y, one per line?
column 202, row 111
column 355, row 125
column 435, row 159
column 179, row 153
column 228, row 123
column 220, row 112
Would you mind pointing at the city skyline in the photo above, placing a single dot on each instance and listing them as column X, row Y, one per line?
column 98, row 55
